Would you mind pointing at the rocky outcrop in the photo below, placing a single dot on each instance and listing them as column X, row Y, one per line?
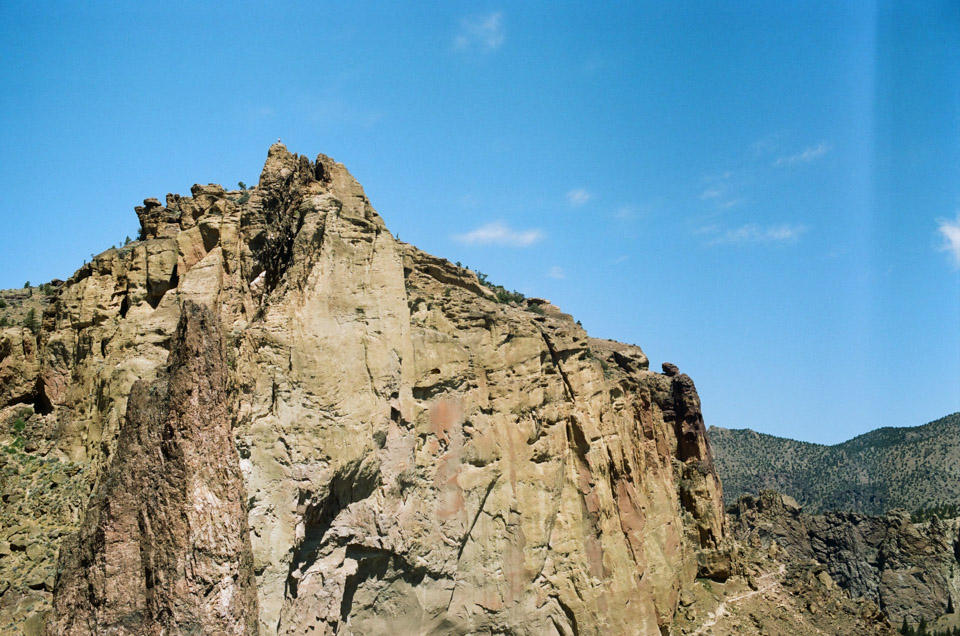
column 699, row 485
column 164, row 547
column 776, row 597
column 909, row 570
column 413, row 455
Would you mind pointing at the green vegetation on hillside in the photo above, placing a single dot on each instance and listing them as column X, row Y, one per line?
column 943, row 511
column 923, row 630
column 23, row 308
column 504, row 295
column 42, row 503
column 915, row 468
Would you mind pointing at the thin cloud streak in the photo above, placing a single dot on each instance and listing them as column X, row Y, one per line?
column 767, row 144
column 336, row 111
column 500, row 234
column 719, row 190
column 483, row 32
column 556, row 272
column 808, row 155
column 754, row 234
column 578, row 197
column 950, row 231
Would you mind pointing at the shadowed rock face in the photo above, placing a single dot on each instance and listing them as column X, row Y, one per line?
column 165, row 546
column 699, row 485
column 909, row 570
column 414, row 455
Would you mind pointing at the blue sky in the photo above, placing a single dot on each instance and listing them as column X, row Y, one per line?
column 766, row 194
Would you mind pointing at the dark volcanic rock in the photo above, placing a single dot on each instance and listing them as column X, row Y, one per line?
column 907, row 569
column 165, row 547
column 699, row 485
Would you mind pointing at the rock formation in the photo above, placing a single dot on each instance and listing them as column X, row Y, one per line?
column 775, row 596
column 909, row 570
column 164, row 547
column 404, row 451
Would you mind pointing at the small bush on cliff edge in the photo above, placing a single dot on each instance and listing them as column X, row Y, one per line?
column 30, row 321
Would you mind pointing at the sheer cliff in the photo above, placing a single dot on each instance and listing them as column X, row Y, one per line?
column 267, row 415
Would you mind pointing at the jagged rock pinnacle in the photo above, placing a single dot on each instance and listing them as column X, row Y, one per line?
column 416, row 457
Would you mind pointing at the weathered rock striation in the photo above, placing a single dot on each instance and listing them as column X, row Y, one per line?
column 403, row 451
column 909, row 570
column 164, row 547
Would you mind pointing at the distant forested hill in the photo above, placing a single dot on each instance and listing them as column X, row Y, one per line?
column 913, row 468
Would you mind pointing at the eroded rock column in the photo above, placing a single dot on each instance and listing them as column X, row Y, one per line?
column 164, row 547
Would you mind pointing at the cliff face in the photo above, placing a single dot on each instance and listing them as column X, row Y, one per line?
column 909, row 570
column 403, row 451
column 164, row 546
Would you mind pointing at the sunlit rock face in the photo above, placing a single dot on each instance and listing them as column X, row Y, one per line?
column 409, row 454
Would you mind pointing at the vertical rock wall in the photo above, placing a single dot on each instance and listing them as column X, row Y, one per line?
column 165, row 547
column 415, row 455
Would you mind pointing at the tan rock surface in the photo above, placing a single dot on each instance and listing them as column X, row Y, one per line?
column 416, row 457
column 774, row 598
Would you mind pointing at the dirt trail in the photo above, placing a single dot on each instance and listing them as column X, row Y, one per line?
column 721, row 610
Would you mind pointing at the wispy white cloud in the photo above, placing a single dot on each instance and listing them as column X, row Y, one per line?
column 806, row 156
column 620, row 259
column 469, row 201
column 578, row 197
column 500, row 234
column 752, row 233
column 950, row 231
column 556, row 272
column 630, row 212
column 768, row 143
column 483, row 32
column 718, row 189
